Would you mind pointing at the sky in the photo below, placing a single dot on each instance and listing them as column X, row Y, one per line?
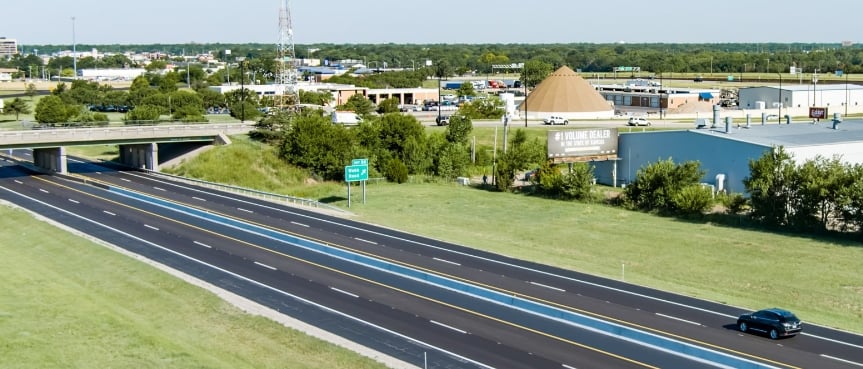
column 431, row 21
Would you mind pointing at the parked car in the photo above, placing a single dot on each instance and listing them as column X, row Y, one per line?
column 442, row 120
column 555, row 119
column 774, row 322
column 638, row 121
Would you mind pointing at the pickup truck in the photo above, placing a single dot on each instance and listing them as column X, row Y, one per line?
column 555, row 119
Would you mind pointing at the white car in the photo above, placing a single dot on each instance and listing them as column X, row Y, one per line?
column 638, row 121
column 555, row 119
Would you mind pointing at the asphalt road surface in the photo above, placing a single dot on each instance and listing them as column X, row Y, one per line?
column 396, row 315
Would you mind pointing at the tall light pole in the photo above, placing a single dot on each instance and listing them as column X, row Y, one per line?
column 242, row 61
column 846, row 92
column 74, row 53
column 660, row 96
column 814, row 82
column 780, row 98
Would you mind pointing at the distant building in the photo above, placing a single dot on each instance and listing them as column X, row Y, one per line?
column 8, row 47
column 112, row 74
column 796, row 96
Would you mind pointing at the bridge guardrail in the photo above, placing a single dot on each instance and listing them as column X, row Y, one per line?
column 119, row 133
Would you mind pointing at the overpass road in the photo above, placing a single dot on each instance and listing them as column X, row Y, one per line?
column 474, row 333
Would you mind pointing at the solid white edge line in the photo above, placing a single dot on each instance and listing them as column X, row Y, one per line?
column 345, row 292
column 300, row 224
column 202, row 244
column 842, row 360
column 266, row 266
column 249, row 280
column 109, row 213
column 576, row 280
column 151, row 227
column 832, row 340
column 448, row 326
column 678, row 319
column 446, row 261
column 547, row 286
column 366, row 241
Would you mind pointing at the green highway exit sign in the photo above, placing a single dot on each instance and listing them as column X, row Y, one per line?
column 355, row 173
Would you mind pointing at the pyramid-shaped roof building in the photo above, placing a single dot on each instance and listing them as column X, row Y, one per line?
column 566, row 94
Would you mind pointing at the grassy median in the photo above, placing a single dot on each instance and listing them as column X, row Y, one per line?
column 69, row 303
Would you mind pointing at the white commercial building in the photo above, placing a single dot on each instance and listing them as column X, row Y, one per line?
column 111, row 74
column 798, row 98
column 8, row 46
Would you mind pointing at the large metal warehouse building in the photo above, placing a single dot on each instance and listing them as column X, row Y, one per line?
column 726, row 151
column 834, row 97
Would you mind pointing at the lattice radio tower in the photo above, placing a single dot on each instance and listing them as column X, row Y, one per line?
column 286, row 76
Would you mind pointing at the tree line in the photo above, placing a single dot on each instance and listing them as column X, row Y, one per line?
column 730, row 58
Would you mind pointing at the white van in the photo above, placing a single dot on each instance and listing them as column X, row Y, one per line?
column 346, row 117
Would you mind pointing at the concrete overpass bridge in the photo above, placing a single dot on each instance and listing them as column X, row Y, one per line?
column 139, row 145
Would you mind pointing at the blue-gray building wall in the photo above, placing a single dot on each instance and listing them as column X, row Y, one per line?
column 716, row 153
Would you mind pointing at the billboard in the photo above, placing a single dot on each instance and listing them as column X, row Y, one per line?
column 582, row 142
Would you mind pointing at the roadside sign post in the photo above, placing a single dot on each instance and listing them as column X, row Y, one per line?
column 358, row 171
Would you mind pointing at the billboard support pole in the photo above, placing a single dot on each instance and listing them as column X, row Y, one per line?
column 349, row 194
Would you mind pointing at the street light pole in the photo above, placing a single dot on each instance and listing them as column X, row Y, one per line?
column 660, row 96
column 846, row 92
column 814, row 82
column 242, row 89
column 780, row 97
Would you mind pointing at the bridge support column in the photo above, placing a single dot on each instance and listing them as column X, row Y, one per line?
column 51, row 158
column 140, row 155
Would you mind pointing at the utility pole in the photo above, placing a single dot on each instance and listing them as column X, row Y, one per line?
column 74, row 53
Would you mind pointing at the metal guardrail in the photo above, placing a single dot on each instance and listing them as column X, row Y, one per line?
column 251, row 193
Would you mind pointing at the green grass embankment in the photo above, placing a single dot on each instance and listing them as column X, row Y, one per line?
column 69, row 303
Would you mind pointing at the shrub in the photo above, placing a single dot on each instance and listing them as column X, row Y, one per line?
column 396, row 171
column 693, row 199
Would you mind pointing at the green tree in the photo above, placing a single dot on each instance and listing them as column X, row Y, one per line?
column 169, row 81
column 390, row 105
column 396, row 171
column 534, row 71
column 315, row 97
column 139, row 90
column 656, row 184
column 313, row 142
column 30, row 90
column 16, row 106
column 819, row 183
column 359, row 104
column 770, row 187
column 849, row 201
column 459, row 129
column 466, row 89
column 693, row 199
column 51, row 110
column 520, row 155
column 143, row 113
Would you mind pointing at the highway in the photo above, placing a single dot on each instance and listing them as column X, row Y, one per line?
column 412, row 317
